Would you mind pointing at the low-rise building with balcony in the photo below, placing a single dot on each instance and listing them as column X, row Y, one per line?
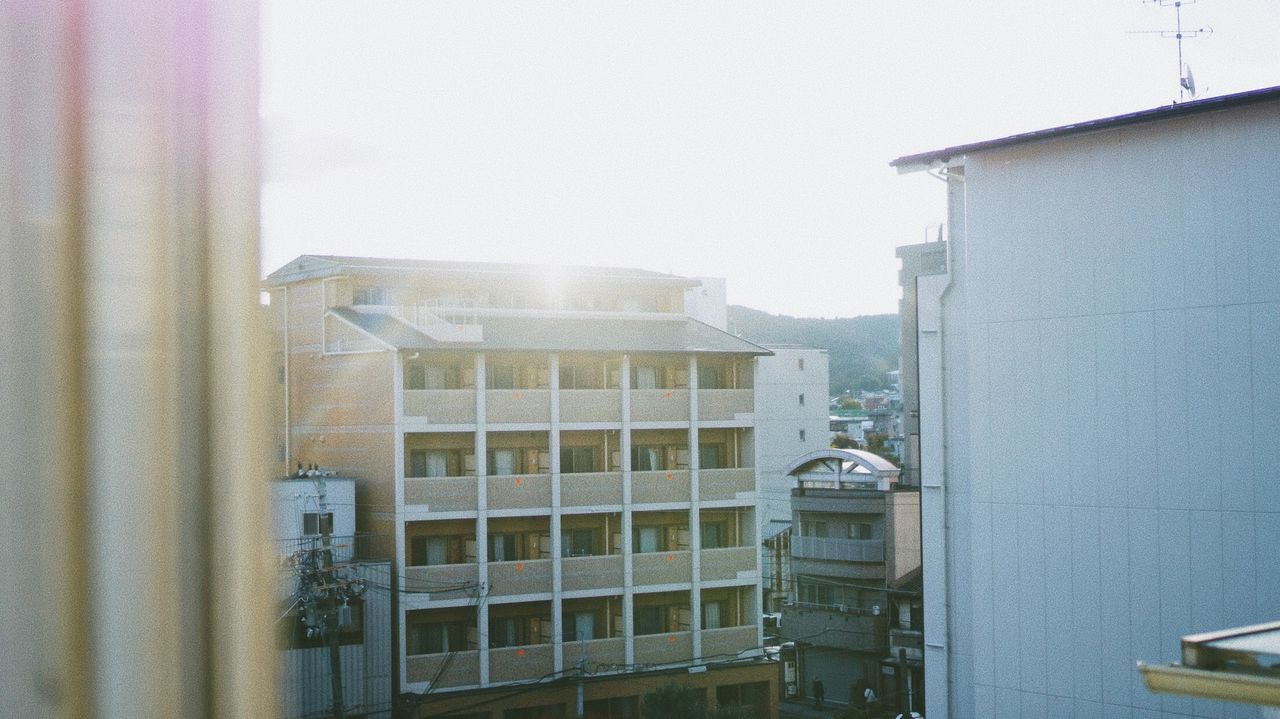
column 855, row 558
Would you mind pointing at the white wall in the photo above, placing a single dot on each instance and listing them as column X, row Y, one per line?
column 708, row 302
column 1120, row 284
column 779, row 417
column 292, row 497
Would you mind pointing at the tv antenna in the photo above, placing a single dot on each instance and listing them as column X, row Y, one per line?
column 1186, row 81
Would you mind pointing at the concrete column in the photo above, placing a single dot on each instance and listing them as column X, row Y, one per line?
column 557, row 588
column 482, row 522
column 695, row 516
column 628, row 580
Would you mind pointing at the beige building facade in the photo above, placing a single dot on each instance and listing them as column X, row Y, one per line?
column 565, row 460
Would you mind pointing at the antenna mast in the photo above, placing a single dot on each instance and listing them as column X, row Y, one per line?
column 1185, row 82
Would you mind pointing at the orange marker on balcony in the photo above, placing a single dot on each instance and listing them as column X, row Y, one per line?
column 519, row 481
column 670, row 476
column 671, row 638
column 517, row 395
column 519, row 566
column 671, row 557
column 519, row 652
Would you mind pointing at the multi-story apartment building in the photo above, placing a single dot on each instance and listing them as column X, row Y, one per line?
column 855, row 547
column 565, row 460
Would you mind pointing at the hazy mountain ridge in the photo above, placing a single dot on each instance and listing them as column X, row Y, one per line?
column 861, row 349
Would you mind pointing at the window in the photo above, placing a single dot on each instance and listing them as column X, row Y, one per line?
column 713, row 536
column 647, row 539
column 434, row 551
column 577, row 543
column 437, row 638
column 502, row 548
column 314, row 523
column 815, row 593
column 648, row 620
column 577, row 459
column 644, row 378
column 369, row 296
column 710, row 456
column 860, row 530
column 644, row 459
column 502, row 462
column 712, row 615
column 710, row 378
column 499, row 376
column 579, row 627
column 802, row 435
column 802, row 400
column 503, row 632
column 415, row 376
column 800, row 363
column 813, row 528
column 429, row 463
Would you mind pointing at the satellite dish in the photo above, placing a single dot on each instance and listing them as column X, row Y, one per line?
column 1189, row 82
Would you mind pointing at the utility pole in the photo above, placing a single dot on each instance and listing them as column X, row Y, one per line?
column 323, row 592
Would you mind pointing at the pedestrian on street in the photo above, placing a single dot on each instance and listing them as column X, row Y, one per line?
column 819, row 692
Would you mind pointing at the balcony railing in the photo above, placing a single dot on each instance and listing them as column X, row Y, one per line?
column 513, row 664
column 840, row 550
column 724, row 404
column 590, row 405
column 659, row 405
column 441, row 494
column 721, row 484
column 441, row 406
column 532, row 576
column 665, row 648
column 524, row 491
column 674, row 567
column 431, row 321
column 443, row 581
column 653, row 487
column 728, row 642
column 602, row 655
column 727, row 562
column 454, row 669
column 591, row 489
column 601, row 572
column 517, row 406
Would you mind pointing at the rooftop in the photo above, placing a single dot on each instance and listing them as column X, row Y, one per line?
column 306, row 267
column 936, row 158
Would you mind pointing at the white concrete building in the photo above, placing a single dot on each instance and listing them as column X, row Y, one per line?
column 1112, row 277
column 791, row 420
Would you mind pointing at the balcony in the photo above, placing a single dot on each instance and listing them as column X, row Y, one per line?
column 727, row 563
column 441, row 406
column 724, row 404
column 454, row 669
column 911, row 640
column 727, row 642
column 582, row 573
column 513, row 664
column 665, row 648
column 591, row 489
column 674, row 567
column 517, row 406
column 441, row 494
column 532, row 576
column 601, row 654
column 591, row 405
column 661, row 486
column 837, row 550
column 723, row 484
column 437, row 579
column 659, row 405
column 525, row 491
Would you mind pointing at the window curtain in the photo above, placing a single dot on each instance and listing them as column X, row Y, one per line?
column 135, row 448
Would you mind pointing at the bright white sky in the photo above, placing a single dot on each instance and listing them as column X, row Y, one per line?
column 742, row 140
